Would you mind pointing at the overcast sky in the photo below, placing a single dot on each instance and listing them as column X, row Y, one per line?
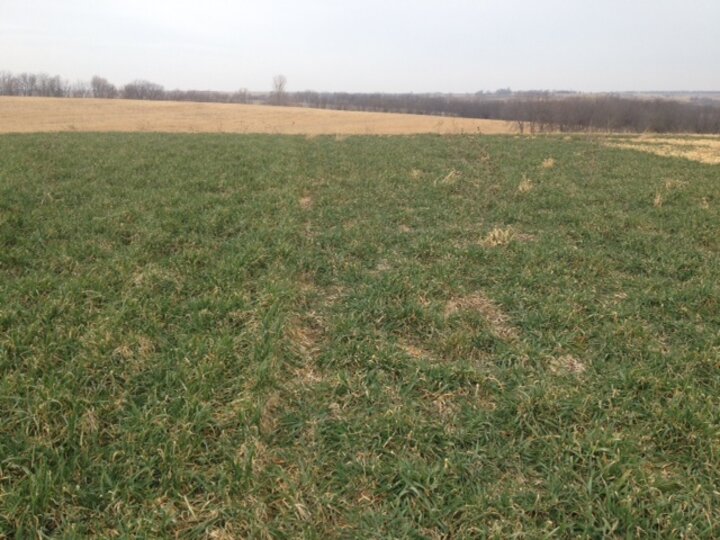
column 370, row 45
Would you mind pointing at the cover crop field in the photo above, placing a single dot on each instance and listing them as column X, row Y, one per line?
column 229, row 336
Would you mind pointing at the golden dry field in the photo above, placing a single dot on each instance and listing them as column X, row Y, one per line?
column 705, row 149
column 28, row 115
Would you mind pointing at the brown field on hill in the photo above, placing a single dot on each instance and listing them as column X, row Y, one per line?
column 28, row 115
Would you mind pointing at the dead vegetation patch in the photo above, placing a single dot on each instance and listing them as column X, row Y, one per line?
column 567, row 364
column 138, row 348
column 450, row 178
column 306, row 284
column 189, row 513
column 503, row 236
column 702, row 150
column 498, row 236
column 226, row 533
column 308, row 375
column 254, row 451
column 414, row 351
column 227, row 414
column 153, row 274
column 306, row 202
column 526, row 185
column 305, row 335
column 332, row 294
column 549, row 163
column 89, row 424
column 495, row 317
column 672, row 184
column 445, row 405
column 305, row 332
column 269, row 414
column 708, row 142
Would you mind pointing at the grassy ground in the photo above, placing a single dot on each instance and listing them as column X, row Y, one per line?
column 218, row 337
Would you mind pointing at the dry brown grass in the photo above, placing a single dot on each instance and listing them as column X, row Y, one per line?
column 304, row 336
column 525, row 185
column 415, row 351
column 701, row 149
column 451, row 177
column 27, row 115
column 269, row 414
column 567, row 364
column 498, row 237
column 496, row 319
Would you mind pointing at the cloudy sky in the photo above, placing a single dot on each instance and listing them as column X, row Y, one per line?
column 370, row 45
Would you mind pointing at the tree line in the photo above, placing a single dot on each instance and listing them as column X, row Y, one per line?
column 43, row 85
column 538, row 111
column 535, row 111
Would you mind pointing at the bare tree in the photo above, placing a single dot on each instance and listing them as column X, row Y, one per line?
column 27, row 83
column 48, row 86
column 101, row 88
column 79, row 89
column 241, row 96
column 279, row 95
column 141, row 89
column 9, row 85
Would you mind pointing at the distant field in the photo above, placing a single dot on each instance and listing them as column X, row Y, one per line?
column 28, row 115
column 224, row 336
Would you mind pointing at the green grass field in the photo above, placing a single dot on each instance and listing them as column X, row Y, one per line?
column 212, row 336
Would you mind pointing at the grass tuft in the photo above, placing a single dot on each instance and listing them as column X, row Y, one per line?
column 526, row 185
column 549, row 163
column 498, row 236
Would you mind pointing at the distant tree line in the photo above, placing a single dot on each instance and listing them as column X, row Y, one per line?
column 533, row 111
column 537, row 111
column 43, row 85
